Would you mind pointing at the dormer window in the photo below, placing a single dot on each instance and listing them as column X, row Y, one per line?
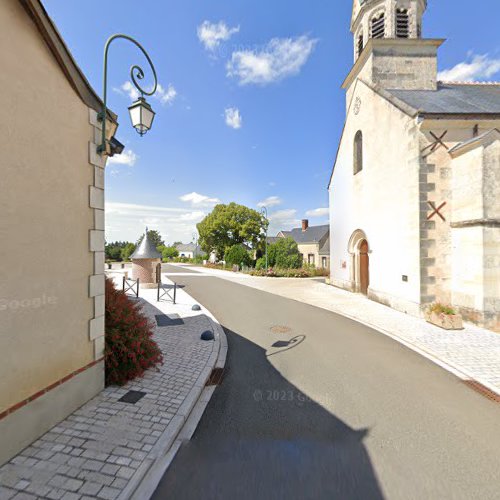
column 402, row 23
column 360, row 44
column 378, row 26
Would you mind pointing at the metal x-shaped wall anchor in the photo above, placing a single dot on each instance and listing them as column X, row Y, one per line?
column 438, row 142
column 436, row 211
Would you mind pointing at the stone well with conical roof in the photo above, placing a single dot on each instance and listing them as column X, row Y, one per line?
column 144, row 261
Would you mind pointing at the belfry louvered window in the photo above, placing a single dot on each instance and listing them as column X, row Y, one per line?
column 378, row 26
column 360, row 44
column 402, row 23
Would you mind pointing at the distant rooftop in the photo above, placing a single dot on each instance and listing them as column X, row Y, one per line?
column 313, row 234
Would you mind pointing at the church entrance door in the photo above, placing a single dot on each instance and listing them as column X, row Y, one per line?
column 364, row 264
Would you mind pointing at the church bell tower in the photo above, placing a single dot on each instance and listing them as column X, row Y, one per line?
column 389, row 50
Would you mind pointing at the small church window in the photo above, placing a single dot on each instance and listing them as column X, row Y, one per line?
column 360, row 44
column 402, row 23
column 358, row 152
column 378, row 26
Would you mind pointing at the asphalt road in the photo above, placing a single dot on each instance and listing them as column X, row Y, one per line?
column 330, row 409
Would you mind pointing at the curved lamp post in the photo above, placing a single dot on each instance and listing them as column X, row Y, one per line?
column 195, row 239
column 264, row 214
column 141, row 113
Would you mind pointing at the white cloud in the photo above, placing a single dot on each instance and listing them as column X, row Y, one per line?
column 475, row 68
column 283, row 220
column 233, row 118
column 318, row 212
column 164, row 95
column 199, row 200
column 129, row 89
column 127, row 221
column 211, row 35
column 128, row 157
column 280, row 58
column 270, row 201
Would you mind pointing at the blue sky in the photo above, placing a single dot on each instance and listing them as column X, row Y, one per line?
column 250, row 108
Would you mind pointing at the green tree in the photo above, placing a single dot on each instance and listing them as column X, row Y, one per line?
column 284, row 254
column 229, row 225
column 169, row 253
column 237, row 254
column 113, row 250
column 155, row 237
column 127, row 251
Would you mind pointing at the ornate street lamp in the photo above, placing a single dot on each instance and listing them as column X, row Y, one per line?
column 195, row 239
column 264, row 214
column 141, row 113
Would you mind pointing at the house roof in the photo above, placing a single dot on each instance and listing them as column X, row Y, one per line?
column 453, row 98
column 325, row 248
column 146, row 250
column 61, row 53
column 313, row 234
column 189, row 247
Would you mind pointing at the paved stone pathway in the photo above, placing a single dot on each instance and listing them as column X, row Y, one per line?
column 105, row 448
column 471, row 353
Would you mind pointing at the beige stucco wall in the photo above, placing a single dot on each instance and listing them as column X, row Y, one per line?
column 476, row 246
column 312, row 248
column 382, row 200
column 45, row 216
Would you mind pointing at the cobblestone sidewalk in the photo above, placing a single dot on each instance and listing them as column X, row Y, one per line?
column 105, row 448
column 472, row 353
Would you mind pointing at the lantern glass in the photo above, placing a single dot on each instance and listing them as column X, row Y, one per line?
column 141, row 115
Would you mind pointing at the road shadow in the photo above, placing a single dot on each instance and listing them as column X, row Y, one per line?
column 261, row 437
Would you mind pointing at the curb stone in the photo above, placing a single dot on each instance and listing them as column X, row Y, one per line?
column 182, row 427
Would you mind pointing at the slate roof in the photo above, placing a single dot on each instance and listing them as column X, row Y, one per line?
column 453, row 98
column 146, row 250
column 325, row 249
column 478, row 139
column 313, row 234
column 189, row 247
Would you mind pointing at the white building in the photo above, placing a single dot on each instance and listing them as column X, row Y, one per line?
column 190, row 251
column 414, row 193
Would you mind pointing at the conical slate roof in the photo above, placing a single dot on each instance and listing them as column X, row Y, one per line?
column 146, row 250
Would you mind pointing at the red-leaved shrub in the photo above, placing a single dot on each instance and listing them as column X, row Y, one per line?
column 130, row 348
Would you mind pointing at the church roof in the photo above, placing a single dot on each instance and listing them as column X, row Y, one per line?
column 465, row 146
column 453, row 98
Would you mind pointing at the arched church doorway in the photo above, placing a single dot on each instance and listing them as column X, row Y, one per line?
column 360, row 261
column 364, row 265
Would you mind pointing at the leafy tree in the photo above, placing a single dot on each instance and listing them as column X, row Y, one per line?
column 238, row 255
column 113, row 250
column 284, row 254
column 155, row 237
column 229, row 225
column 127, row 251
column 169, row 253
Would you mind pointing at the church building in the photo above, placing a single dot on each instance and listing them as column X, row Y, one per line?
column 415, row 189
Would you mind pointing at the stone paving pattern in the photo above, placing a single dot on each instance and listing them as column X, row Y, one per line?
column 96, row 451
column 473, row 351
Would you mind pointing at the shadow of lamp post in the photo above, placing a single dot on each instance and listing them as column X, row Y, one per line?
column 264, row 214
column 141, row 113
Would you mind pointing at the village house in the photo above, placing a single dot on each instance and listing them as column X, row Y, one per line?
column 52, row 229
column 190, row 250
column 414, row 205
column 313, row 243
